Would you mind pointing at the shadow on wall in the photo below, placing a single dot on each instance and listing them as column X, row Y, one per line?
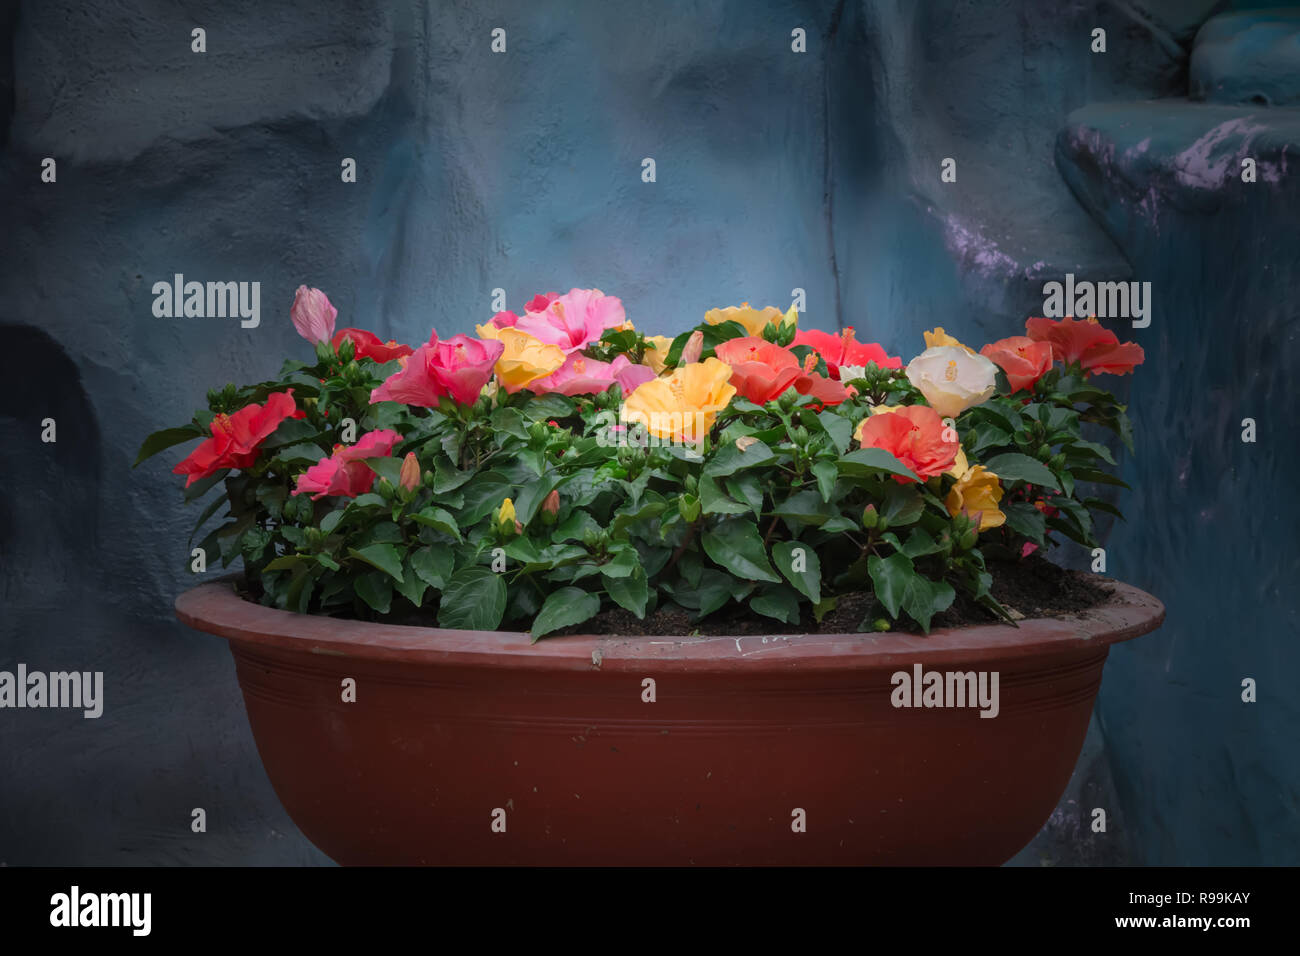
column 58, row 509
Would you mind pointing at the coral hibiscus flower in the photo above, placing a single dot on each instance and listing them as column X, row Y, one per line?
column 1095, row 348
column 1022, row 359
column 844, row 349
column 760, row 370
column 914, row 435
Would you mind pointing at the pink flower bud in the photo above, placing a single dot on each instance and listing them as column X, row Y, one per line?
column 312, row 315
column 552, row 503
column 694, row 348
column 410, row 474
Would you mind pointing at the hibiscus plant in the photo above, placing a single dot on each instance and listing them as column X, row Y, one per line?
column 562, row 463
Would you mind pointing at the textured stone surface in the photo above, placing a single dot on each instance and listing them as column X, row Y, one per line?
column 775, row 170
column 1204, row 777
column 1249, row 57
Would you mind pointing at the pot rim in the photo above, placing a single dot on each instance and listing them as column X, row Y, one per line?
column 217, row 609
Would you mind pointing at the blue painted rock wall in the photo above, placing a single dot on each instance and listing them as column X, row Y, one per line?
column 775, row 171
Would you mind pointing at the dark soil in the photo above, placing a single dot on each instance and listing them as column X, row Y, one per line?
column 1034, row 587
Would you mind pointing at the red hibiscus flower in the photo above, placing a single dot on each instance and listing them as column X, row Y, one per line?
column 1096, row 349
column 367, row 345
column 345, row 472
column 236, row 438
column 844, row 349
column 1024, row 360
column 913, row 435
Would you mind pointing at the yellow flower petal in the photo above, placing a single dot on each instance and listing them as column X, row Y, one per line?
column 525, row 359
column 754, row 320
column 682, row 406
column 940, row 337
column 977, row 491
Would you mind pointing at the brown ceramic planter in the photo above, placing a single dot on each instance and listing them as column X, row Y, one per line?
column 450, row 726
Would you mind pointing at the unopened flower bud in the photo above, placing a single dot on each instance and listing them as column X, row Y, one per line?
column 694, row 348
column 688, row 506
column 870, row 517
column 409, row 478
column 551, row 507
column 313, row 316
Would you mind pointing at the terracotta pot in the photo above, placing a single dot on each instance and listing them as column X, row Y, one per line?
column 453, row 730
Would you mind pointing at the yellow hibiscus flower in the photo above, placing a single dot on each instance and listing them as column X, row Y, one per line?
column 657, row 355
column 978, row 490
column 940, row 337
column 525, row 359
column 682, row 406
column 754, row 320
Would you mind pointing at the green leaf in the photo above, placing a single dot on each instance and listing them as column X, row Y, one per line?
column 715, row 502
column 484, row 495
column 1014, row 466
column 563, row 608
column 867, row 461
column 780, row 602
column 474, row 599
column 203, row 485
column 826, row 474
column 736, row 545
column 303, row 452
column 285, row 562
column 510, row 422
column 385, row 557
column 291, row 431
column 376, row 589
column 166, row 438
column 629, row 592
column 412, row 586
column 433, row 565
column 899, row 587
column 541, row 408
column 386, row 467
column 806, row 507
column 208, row 512
column 438, row 520
column 1024, row 519
column 901, row 504
column 331, row 520
column 625, row 564
column 446, row 477
column 1088, row 449
column 787, row 556
column 746, row 488
column 714, row 590
column 730, row 459
column 838, row 428
column 919, row 544
column 926, row 598
column 1097, row 476
column 891, row 577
